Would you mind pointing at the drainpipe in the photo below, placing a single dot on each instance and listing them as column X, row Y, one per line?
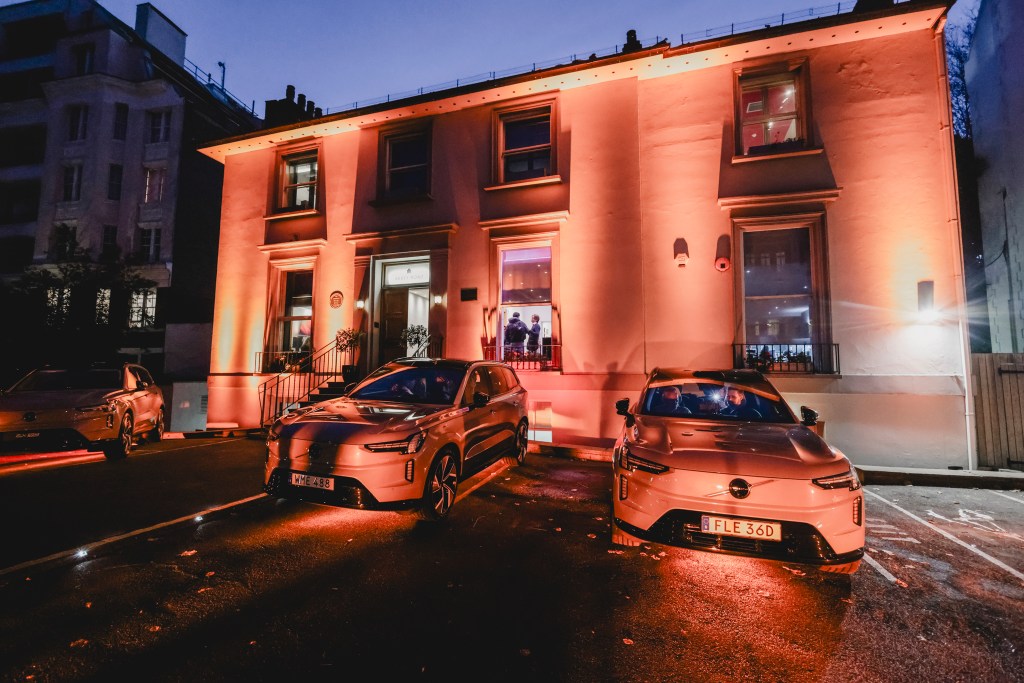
column 953, row 204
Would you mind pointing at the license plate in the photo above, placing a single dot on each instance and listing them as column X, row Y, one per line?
column 26, row 435
column 312, row 482
column 744, row 528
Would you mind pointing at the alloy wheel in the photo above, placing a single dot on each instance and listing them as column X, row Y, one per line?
column 444, row 480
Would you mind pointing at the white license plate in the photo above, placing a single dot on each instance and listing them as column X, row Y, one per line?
column 312, row 482
column 744, row 528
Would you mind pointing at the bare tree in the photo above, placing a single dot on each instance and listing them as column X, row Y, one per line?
column 958, row 49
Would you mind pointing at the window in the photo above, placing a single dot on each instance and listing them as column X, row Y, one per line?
column 524, row 145
column 525, row 292
column 58, row 305
column 84, row 55
column 298, row 190
column 63, row 241
column 120, row 121
column 114, row 180
column 78, row 122
column 772, row 112
column 142, row 312
column 406, row 163
column 72, row 187
column 784, row 293
column 295, row 321
column 109, row 246
column 103, row 306
column 159, row 125
column 149, row 245
column 154, row 187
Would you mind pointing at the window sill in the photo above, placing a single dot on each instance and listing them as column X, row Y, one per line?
column 778, row 155
column 546, row 180
column 396, row 201
column 285, row 215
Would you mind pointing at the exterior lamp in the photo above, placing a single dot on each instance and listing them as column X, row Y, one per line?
column 926, row 301
column 438, row 299
column 360, row 304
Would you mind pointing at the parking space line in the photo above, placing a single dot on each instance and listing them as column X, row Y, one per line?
column 84, row 550
column 880, row 569
column 951, row 537
column 1003, row 495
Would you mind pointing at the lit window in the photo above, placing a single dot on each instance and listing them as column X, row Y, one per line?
column 298, row 189
column 58, row 304
column 406, row 164
column 159, row 125
column 524, row 145
column 120, row 121
column 154, row 189
column 72, row 187
column 772, row 112
column 78, row 122
column 103, row 306
column 525, row 332
column 142, row 312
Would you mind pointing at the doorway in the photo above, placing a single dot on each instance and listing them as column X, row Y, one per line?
column 404, row 303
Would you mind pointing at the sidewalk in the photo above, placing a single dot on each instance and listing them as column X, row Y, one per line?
column 869, row 474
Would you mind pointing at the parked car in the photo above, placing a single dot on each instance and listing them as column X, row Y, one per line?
column 715, row 460
column 104, row 408
column 401, row 438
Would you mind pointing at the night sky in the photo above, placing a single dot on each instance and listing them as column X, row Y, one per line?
column 340, row 51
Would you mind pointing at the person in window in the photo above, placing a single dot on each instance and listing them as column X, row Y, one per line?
column 533, row 342
column 736, row 405
column 668, row 401
column 515, row 334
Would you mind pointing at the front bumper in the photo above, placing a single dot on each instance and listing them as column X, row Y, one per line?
column 64, row 428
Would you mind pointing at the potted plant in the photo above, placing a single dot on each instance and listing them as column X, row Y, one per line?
column 416, row 338
column 347, row 341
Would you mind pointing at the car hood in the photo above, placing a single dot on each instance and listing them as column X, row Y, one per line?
column 339, row 419
column 785, row 451
column 53, row 400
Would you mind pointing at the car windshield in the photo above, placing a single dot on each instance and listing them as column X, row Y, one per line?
column 73, row 380
column 714, row 400
column 402, row 384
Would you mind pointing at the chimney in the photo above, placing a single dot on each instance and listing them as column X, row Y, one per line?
column 160, row 32
column 318, row 112
column 289, row 93
column 872, row 5
column 309, row 108
column 302, row 102
column 632, row 44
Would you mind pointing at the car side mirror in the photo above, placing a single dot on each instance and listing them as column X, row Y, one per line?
column 622, row 408
column 480, row 399
column 808, row 417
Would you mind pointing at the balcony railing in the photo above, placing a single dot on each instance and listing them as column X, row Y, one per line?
column 795, row 359
column 547, row 357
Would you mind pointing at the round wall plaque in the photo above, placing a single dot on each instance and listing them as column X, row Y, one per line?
column 336, row 299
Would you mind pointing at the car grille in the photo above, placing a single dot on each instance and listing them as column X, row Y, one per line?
column 800, row 542
column 347, row 492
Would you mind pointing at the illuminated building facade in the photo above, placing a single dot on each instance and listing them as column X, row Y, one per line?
column 782, row 199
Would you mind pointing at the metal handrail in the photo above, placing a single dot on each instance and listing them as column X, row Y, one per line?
column 785, row 358
column 545, row 357
column 302, row 375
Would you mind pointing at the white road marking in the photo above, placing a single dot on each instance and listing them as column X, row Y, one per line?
column 904, row 539
column 1004, row 495
column 951, row 537
column 491, row 472
column 12, row 468
column 89, row 547
column 879, row 568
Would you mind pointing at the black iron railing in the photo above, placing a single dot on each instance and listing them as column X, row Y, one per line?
column 803, row 359
column 303, row 374
column 547, row 357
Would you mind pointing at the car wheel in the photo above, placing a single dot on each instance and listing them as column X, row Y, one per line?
column 848, row 568
column 439, row 491
column 159, row 425
column 620, row 537
column 521, row 443
column 119, row 449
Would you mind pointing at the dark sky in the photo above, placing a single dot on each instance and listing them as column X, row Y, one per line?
column 341, row 51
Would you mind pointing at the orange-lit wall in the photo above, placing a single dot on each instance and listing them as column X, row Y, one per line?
column 644, row 151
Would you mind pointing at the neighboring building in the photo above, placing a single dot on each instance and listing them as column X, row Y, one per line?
column 783, row 198
column 99, row 126
column 994, row 83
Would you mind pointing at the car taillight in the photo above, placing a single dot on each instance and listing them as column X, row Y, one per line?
column 629, row 461
column 858, row 511
column 846, row 480
column 410, row 445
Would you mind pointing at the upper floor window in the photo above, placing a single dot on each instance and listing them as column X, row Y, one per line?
column 159, row 125
column 149, row 245
column 524, row 139
column 78, row 122
column 114, row 181
column 299, row 179
column 120, row 121
column 772, row 110
column 406, row 163
column 72, row 186
column 154, row 188
column 84, row 56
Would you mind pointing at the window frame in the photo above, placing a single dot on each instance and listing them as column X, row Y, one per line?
column 821, row 297
column 121, row 113
column 142, row 309
column 78, row 122
column 151, row 195
column 522, row 112
column 71, row 188
column 282, row 187
column 149, row 247
column 385, row 193
column 158, row 126
column 115, row 182
column 502, row 244
column 84, row 58
column 764, row 75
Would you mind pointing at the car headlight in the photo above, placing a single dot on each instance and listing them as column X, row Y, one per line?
column 408, row 446
column 629, row 461
column 845, row 480
column 96, row 408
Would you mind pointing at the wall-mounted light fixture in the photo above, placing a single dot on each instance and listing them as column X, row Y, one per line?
column 360, row 304
column 438, row 299
column 926, row 301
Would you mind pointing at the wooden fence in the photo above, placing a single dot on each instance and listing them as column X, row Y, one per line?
column 999, row 408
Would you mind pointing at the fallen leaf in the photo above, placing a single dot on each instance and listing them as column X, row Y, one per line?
column 154, row 629
column 81, row 642
column 901, row 583
column 558, row 528
column 591, row 535
column 188, row 553
column 88, row 605
column 765, row 594
column 252, row 642
column 615, row 552
column 795, row 572
column 599, row 519
column 203, row 590
column 209, row 574
column 627, row 641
